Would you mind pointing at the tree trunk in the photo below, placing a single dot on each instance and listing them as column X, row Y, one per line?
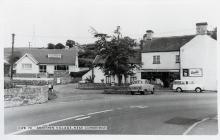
column 119, row 79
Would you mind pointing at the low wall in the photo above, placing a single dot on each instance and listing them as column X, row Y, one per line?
column 34, row 81
column 99, row 86
column 25, row 96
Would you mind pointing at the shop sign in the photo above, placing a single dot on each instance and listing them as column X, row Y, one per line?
column 195, row 72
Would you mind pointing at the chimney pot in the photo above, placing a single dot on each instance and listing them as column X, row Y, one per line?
column 201, row 28
column 148, row 35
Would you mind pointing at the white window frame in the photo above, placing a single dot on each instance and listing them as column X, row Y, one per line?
column 108, row 79
column 26, row 66
column 156, row 59
column 177, row 58
column 57, row 66
column 43, row 70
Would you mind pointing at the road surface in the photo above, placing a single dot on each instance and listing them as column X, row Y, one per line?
column 159, row 114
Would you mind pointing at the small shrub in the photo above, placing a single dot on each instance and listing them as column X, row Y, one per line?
column 8, row 84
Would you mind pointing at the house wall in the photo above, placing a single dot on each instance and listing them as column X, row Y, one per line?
column 73, row 68
column 200, row 52
column 167, row 60
column 50, row 69
column 99, row 76
column 27, row 60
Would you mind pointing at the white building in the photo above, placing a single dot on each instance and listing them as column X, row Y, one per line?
column 161, row 57
column 47, row 61
column 190, row 57
column 199, row 59
column 101, row 77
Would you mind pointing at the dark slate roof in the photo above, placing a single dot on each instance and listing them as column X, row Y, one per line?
column 166, row 44
column 41, row 55
column 132, row 60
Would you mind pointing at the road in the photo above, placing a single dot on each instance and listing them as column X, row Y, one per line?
column 159, row 114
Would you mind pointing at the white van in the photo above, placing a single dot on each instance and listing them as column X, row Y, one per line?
column 183, row 85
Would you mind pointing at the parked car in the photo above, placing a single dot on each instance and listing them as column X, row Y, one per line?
column 142, row 87
column 187, row 85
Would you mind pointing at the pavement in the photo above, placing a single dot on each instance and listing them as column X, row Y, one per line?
column 164, row 113
column 208, row 126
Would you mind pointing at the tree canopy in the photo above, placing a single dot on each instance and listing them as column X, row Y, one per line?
column 70, row 43
column 116, row 53
column 57, row 46
column 16, row 56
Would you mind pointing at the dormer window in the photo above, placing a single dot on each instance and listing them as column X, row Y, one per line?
column 54, row 55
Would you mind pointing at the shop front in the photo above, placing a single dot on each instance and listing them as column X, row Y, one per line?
column 166, row 76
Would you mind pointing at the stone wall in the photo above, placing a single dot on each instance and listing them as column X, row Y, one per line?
column 25, row 96
column 37, row 82
column 62, row 77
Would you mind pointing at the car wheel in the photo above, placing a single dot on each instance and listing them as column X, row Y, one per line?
column 152, row 92
column 132, row 92
column 178, row 89
column 198, row 89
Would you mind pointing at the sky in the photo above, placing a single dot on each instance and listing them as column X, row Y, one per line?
column 54, row 21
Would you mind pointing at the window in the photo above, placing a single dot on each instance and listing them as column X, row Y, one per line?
column 177, row 58
column 185, row 72
column 156, row 59
column 54, row 55
column 108, row 79
column 26, row 66
column 61, row 67
column 43, row 68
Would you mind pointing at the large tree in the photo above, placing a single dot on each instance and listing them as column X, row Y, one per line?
column 59, row 46
column 70, row 43
column 116, row 53
column 16, row 56
column 50, row 46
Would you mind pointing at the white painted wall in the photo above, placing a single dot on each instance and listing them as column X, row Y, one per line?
column 27, row 60
column 201, row 52
column 99, row 75
column 73, row 68
column 167, row 60
column 50, row 69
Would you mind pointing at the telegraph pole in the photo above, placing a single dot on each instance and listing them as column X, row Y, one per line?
column 29, row 45
column 12, row 55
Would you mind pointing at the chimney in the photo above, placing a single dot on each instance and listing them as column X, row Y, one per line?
column 148, row 35
column 201, row 28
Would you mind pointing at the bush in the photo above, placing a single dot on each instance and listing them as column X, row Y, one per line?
column 8, row 85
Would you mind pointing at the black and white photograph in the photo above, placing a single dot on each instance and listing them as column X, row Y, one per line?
column 109, row 67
